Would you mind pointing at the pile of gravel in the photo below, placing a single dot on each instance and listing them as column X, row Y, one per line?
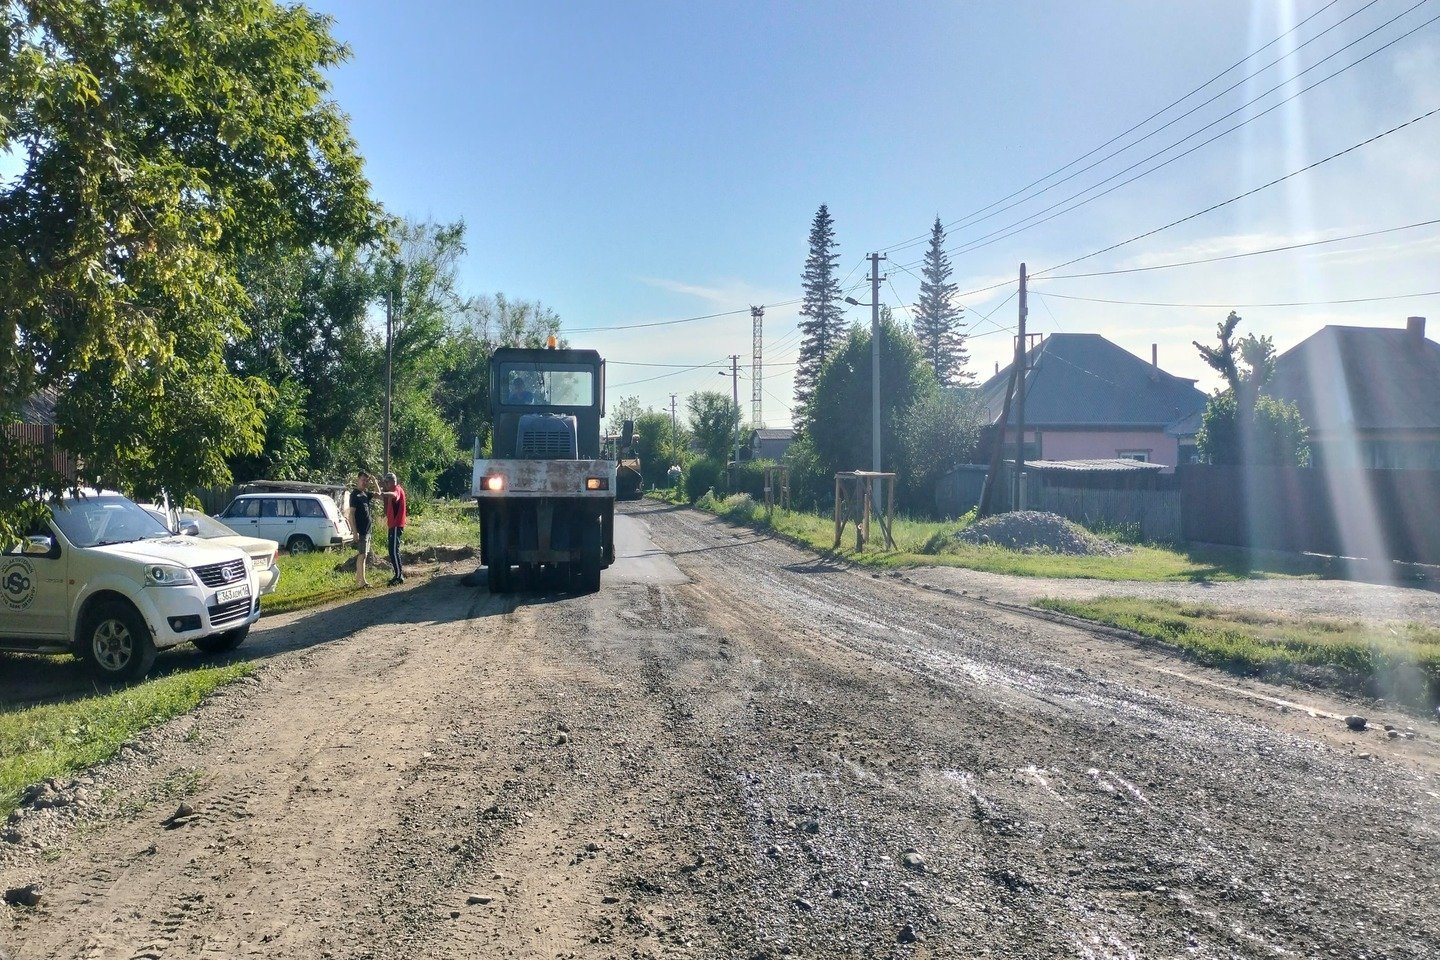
column 1032, row 531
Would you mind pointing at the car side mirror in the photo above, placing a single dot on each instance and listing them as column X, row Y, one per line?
column 40, row 546
column 189, row 529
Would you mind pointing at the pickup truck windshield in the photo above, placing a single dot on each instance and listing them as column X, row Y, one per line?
column 547, row 384
column 97, row 521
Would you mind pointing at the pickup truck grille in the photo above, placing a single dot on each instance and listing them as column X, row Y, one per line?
column 228, row 612
column 219, row 574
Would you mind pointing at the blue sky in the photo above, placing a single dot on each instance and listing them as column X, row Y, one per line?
column 636, row 162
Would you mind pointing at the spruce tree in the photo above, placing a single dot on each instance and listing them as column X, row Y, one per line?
column 821, row 321
column 937, row 318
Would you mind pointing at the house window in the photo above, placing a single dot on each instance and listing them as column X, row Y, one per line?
column 1141, row 455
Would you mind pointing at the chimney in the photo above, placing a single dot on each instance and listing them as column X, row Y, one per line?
column 1415, row 327
column 1154, row 354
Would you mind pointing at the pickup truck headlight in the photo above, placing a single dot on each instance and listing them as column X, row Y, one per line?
column 165, row 575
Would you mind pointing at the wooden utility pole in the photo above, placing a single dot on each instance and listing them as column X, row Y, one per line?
column 997, row 452
column 674, row 433
column 1022, row 354
column 757, row 344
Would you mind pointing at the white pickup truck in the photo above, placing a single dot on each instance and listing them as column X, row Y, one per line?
column 106, row 581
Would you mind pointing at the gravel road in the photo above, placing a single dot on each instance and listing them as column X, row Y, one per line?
column 735, row 750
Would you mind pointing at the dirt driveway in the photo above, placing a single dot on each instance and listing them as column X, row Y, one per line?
column 735, row 750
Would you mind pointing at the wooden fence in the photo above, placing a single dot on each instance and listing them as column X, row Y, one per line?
column 1370, row 514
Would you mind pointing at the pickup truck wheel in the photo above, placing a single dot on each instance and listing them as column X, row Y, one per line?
column 299, row 544
column 117, row 644
column 222, row 642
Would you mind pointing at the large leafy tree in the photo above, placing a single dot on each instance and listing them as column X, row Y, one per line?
column 821, row 322
column 713, row 423
column 937, row 325
column 159, row 145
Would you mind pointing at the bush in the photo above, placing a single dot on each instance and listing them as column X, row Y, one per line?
column 702, row 475
column 748, row 476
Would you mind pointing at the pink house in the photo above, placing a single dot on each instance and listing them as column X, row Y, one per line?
column 1088, row 399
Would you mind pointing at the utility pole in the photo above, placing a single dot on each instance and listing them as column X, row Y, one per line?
column 1022, row 354
column 674, row 432
column 757, row 315
column 389, row 360
column 875, row 279
column 997, row 451
column 735, row 392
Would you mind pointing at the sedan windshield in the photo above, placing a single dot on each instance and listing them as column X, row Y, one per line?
column 210, row 528
column 106, row 519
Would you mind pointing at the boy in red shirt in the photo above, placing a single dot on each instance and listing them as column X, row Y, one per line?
column 394, row 522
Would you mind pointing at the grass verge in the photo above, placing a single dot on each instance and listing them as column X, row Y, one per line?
column 56, row 740
column 932, row 544
column 1398, row 661
column 312, row 579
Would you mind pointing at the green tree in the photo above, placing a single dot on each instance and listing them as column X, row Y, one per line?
column 628, row 408
column 309, row 336
column 713, row 423
column 1240, row 424
column 937, row 317
column 840, row 421
column 159, row 144
column 822, row 324
column 1273, row 436
column 940, row 431
column 1246, row 364
column 659, row 448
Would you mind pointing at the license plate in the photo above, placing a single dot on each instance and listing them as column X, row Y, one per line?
column 232, row 593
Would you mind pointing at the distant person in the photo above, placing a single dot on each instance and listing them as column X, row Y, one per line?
column 394, row 495
column 360, row 499
column 518, row 394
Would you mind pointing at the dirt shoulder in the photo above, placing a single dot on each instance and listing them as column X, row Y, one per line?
column 1330, row 598
column 735, row 750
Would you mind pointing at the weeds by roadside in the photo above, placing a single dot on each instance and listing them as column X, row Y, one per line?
column 932, row 543
column 1399, row 661
column 313, row 579
column 60, row 739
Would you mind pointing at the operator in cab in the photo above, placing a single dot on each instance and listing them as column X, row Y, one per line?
column 518, row 395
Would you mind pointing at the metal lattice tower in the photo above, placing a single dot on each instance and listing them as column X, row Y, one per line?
column 757, row 418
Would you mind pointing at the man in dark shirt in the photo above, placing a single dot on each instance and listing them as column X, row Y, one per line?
column 394, row 495
column 360, row 499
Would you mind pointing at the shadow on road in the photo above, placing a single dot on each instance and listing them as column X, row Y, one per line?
column 28, row 680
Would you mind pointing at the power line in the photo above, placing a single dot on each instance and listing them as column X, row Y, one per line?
column 1248, row 193
column 698, row 366
column 1020, row 226
column 1228, row 306
column 636, row 363
column 1248, row 253
column 1174, row 103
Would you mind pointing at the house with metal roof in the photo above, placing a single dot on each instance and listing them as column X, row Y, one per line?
column 1089, row 399
column 1369, row 396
